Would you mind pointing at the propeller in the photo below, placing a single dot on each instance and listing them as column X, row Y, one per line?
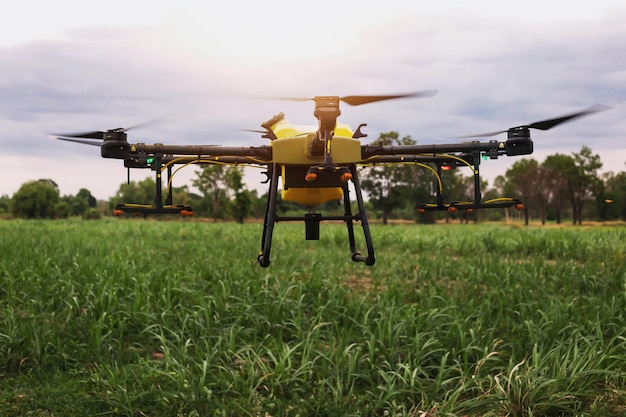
column 544, row 124
column 253, row 130
column 99, row 134
column 85, row 142
column 358, row 100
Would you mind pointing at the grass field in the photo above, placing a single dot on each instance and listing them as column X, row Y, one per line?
column 149, row 318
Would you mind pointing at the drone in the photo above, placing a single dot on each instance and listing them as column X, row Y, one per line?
column 316, row 165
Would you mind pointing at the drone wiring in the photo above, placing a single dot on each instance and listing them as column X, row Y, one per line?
column 439, row 155
column 419, row 164
column 197, row 161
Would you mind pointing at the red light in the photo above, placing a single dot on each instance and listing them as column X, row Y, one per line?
column 446, row 167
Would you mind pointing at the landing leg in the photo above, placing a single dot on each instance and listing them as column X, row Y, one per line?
column 348, row 215
column 270, row 217
column 369, row 259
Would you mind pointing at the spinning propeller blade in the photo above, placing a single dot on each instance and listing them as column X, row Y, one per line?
column 544, row 124
column 358, row 100
column 84, row 142
column 550, row 123
column 99, row 134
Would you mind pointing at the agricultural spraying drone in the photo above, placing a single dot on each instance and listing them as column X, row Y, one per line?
column 317, row 164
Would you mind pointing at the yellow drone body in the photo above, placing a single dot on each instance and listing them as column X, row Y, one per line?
column 292, row 151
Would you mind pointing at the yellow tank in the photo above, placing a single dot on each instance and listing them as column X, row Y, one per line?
column 295, row 150
column 292, row 148
column 312, row 196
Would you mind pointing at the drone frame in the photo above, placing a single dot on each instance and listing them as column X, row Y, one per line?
column 309, row 160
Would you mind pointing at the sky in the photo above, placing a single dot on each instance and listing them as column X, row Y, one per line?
column 209, row 69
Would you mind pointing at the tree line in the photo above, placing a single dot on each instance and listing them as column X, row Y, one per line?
column 558, row 188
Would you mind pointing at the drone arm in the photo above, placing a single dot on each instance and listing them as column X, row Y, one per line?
column 367, row 151
column 116, row 151
column 512, row 147
column 234, row 160
column 263, row 152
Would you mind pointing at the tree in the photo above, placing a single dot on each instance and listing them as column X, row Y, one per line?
column 215, row 182
column 5, row 204
column 244, row 200
column 542, row 191
column 36, row 200
column 584, row 181
column 62, row 209
column 76, row 205
column 85, row 194
column 559, row 169
column 142, row 192
column 243, row 204
column 522, row 176
column 612, row 202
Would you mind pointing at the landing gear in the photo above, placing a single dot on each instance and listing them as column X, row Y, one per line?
column 312, row 220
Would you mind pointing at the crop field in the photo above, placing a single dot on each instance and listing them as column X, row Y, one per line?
column 155, row 318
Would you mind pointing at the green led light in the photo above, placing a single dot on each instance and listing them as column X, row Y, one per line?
column 149, row 160
column 485, row 157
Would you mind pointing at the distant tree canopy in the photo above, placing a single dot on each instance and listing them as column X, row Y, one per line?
column 134, row 192
column 40, row 199
column 76, row 205
column 564, row 180
column 5, row 204
column 36, row 200
column 223, row 192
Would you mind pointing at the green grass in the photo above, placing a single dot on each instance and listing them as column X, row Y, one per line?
column 149, row 318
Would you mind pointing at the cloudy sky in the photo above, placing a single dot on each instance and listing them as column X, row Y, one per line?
column 70, row 66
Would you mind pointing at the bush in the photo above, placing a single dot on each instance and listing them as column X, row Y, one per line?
column 36, row 200
column 91, row 214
